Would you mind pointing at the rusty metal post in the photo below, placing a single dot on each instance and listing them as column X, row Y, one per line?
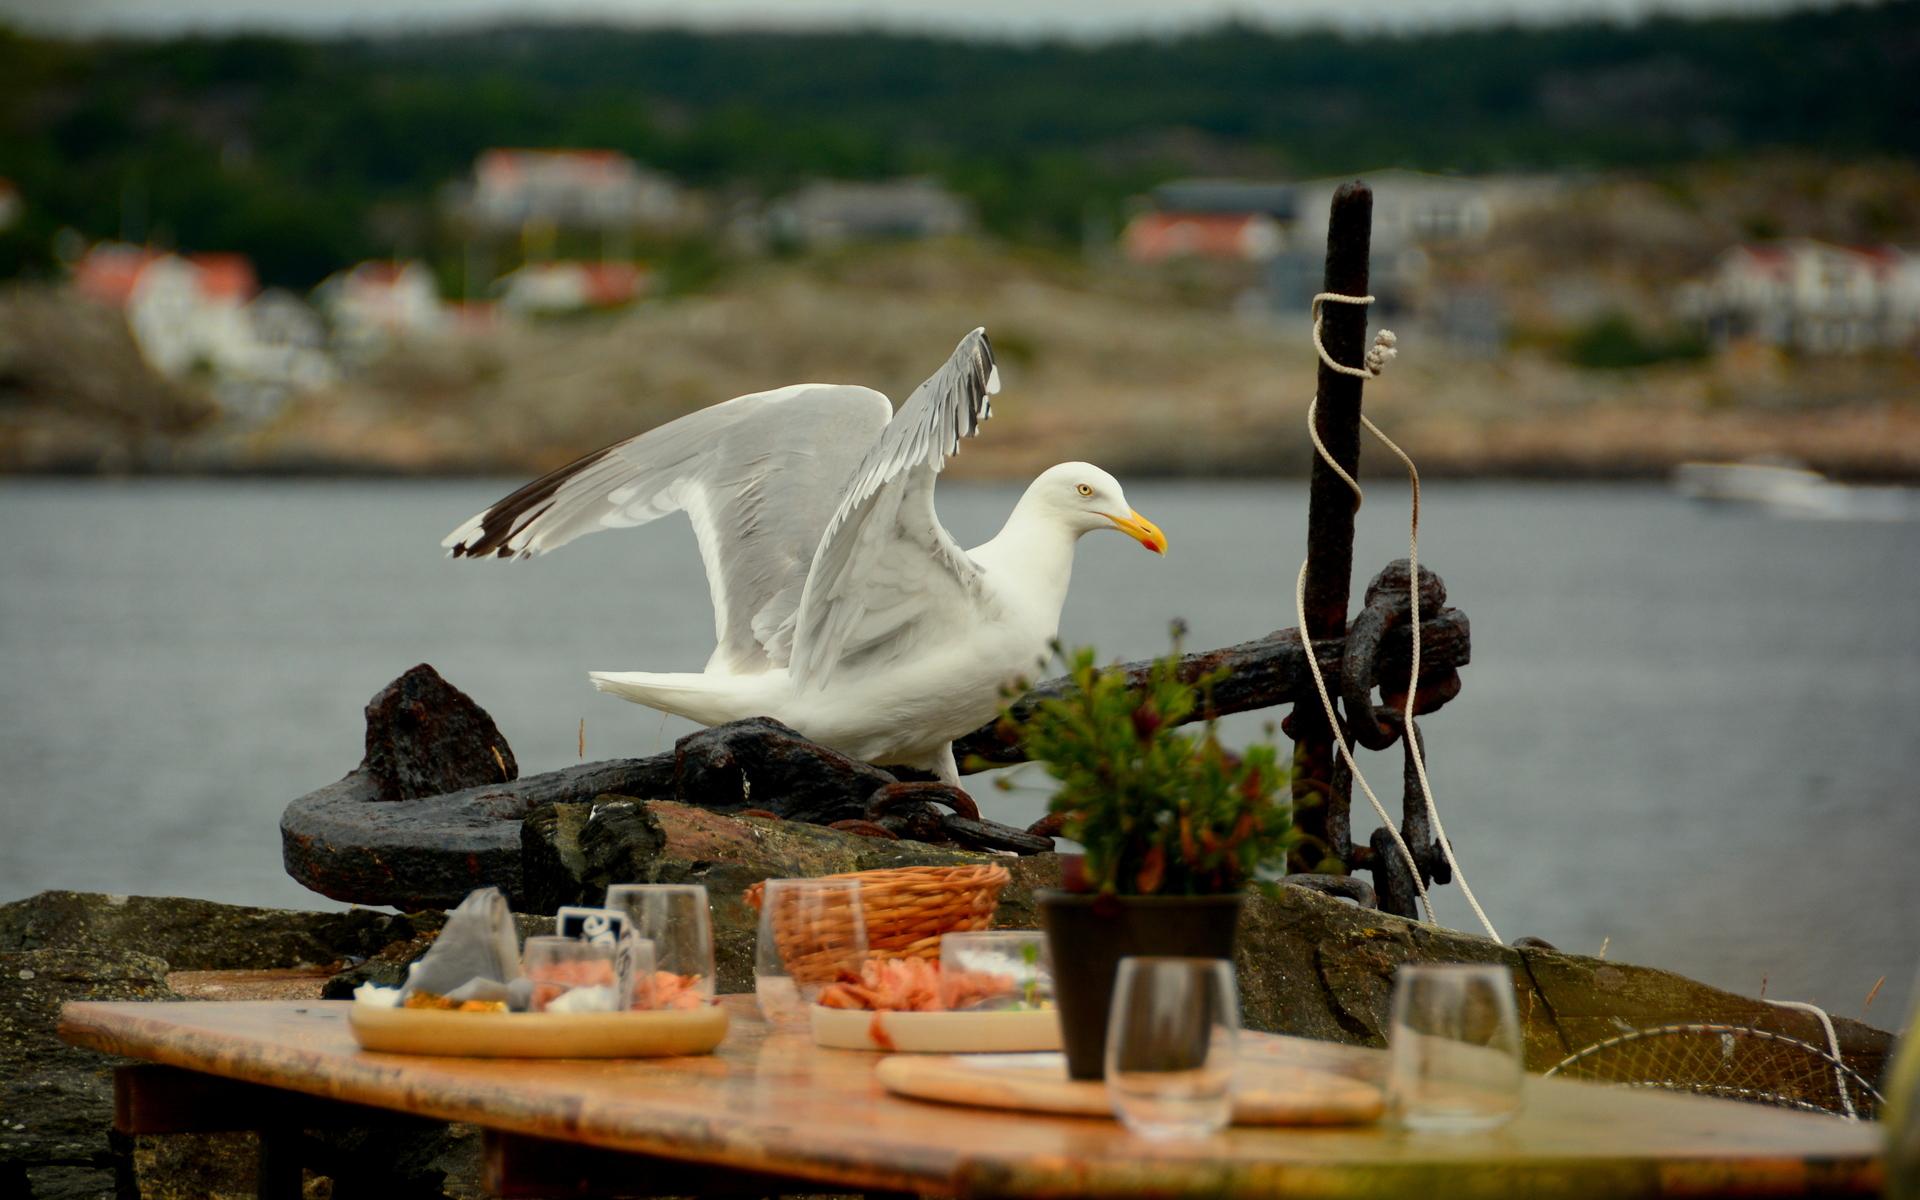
column 1330, row 509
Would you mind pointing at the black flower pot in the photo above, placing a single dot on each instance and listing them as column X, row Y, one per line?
column 1089, row 935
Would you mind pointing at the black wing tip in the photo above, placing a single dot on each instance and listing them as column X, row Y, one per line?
column 509, row 516
column 478, row 550
column 984, row 378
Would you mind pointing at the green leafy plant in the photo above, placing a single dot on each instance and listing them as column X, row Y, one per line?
column 1161, row 811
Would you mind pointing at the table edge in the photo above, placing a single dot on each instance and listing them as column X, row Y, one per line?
column 117, row 1028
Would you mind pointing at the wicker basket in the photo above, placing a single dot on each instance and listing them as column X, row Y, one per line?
column 908, row 908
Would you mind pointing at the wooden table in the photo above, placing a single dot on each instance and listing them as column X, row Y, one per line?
column 772, row 1112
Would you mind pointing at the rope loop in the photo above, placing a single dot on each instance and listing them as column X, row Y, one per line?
column 1378, row 356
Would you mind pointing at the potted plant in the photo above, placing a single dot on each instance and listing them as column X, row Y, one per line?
column 1174, row 826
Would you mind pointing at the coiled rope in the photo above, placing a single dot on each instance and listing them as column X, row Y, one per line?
column 1378, row 355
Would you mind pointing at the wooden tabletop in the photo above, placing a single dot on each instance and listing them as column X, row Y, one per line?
column 776, row 1103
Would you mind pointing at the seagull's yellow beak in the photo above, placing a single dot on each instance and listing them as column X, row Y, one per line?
column 1141, row 530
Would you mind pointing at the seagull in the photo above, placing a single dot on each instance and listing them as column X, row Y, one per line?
column 841, row 606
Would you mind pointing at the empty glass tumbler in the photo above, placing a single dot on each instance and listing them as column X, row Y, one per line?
column 812, row 931
column 1454, row 1046
column 1171, row 1042
column 994, row 970
column 678, row 919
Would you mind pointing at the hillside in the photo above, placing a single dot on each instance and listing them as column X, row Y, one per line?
column 307, row 155
column 1099, row 363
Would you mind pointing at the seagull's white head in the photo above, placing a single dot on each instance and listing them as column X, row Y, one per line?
column 1085, row 499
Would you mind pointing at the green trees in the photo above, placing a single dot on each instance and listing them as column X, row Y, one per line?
column 286, row 149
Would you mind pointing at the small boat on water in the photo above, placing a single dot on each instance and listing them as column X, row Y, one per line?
column 1789, row 489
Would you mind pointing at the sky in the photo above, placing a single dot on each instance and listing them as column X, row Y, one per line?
column 990, row 18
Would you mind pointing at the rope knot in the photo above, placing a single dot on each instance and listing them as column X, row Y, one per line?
column 1377, row 358
column 1383, row 351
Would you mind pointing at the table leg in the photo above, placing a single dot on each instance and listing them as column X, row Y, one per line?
column 281, row 1176
column 520, row 1167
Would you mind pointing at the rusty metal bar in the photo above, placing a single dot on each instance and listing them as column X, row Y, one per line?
column 1330, row 509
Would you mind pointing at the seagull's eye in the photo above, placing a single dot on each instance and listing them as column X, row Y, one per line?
column 1085, row 489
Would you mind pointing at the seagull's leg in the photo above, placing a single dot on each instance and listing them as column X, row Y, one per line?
column 947, row 769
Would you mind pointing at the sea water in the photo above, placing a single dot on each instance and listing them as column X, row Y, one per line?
column 1686, row 734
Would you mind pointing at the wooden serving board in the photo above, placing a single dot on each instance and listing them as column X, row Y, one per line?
column 539, row 1035
column 1267, row 1094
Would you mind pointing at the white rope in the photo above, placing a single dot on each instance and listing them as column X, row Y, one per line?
column 1378, row 355
column 1833, row 1049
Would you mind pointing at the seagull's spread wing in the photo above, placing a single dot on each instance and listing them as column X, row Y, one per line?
column 761, row 476
column 887, row 579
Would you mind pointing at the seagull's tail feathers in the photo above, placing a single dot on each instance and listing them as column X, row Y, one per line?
column 710, row 699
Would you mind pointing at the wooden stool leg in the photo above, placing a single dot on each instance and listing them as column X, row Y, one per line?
column 281, row 1176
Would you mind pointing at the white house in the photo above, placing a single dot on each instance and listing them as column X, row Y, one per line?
column 200, row 312
column 189, row 312
column 1809, row 295
column 569, row 189
column 374, row 304
column 289, row 342
column 557, row 287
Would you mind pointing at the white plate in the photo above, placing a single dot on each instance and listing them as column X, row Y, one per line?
column 937, row 1032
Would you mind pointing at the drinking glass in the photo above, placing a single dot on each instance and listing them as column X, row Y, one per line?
column 678, row 919
column 571, row 975
column 995, row 969
column 1454, row 1047
column 1171, row 1041
column 811, row 932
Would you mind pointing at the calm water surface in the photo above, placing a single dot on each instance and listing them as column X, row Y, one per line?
column 1691, row 732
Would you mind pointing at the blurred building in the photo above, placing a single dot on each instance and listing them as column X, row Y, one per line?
column 1283, row 225
column 1226, row 220
column 1409, row 208
column 1154, row 237
column 512, row 190
column 205, row 313
column 1809, row 296
column 561, row 287
column 1412, row 211
column 1228, row 196
column 832, row 212
column 472, row 318
column 372, row 305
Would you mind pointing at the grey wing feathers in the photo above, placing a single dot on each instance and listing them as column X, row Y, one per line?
column 760, row 476
column 888, row 502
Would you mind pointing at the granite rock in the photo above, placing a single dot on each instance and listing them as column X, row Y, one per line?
column 56, row 1100
column 426, row 737
column 196, row 935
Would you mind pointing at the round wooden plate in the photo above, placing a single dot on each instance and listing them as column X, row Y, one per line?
column 936, row 1032
column 1266, row 1094
column 539, row 1035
